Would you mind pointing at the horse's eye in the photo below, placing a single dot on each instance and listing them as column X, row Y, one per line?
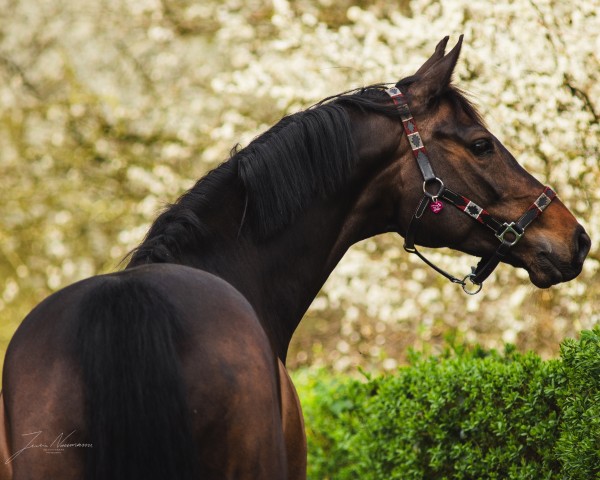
column 482, row 147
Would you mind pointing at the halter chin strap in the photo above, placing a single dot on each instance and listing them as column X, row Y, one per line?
column 507, row 233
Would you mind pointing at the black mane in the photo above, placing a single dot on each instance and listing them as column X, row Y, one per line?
column 305, row 156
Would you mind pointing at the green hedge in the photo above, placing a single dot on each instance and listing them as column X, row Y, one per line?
column 468, row 414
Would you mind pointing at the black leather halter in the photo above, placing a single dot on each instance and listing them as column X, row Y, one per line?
column 507, row 233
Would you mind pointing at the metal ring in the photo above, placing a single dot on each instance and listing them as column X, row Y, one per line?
column 464, row 285
column 433, row 196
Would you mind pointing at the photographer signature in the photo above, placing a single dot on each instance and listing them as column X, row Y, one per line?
column 58, row 445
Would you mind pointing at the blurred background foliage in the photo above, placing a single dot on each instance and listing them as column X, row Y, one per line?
column 111, row 109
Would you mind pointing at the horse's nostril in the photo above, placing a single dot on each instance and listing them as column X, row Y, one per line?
column 584, row 244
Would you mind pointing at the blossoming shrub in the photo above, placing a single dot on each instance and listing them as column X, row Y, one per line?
column 109, row 110
column 467, row 414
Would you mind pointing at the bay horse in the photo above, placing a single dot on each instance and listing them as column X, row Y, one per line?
column 174, row 368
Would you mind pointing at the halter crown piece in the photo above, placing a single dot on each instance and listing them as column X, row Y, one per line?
column 507, row 233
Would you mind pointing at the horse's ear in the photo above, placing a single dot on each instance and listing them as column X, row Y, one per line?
column 435, row 74
column 440, row 49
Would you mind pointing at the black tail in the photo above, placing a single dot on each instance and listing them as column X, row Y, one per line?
column 137, row 418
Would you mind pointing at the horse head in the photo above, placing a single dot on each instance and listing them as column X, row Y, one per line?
column 445, row 155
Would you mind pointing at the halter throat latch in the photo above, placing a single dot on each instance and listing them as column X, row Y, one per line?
column 508, row 233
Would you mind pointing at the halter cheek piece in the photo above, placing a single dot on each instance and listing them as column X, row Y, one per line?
column 507, row 233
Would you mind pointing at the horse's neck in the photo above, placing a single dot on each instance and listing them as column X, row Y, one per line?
column 281, row 276
column 297, row 268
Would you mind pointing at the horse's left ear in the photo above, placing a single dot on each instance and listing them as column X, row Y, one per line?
column 433, row 77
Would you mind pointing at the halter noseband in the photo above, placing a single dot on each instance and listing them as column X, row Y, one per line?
column 507, row 233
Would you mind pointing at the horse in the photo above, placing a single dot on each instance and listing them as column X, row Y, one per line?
column 174, row 367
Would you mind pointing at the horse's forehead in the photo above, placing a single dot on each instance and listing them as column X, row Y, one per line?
column 449, row 116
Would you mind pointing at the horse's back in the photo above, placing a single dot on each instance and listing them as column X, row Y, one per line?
column 227, row 368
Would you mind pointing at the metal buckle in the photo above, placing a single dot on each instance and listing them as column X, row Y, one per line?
column 433, row 196
column 509, row 228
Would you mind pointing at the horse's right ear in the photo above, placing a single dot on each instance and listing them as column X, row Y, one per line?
column 440, row 50
column 435, row 74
